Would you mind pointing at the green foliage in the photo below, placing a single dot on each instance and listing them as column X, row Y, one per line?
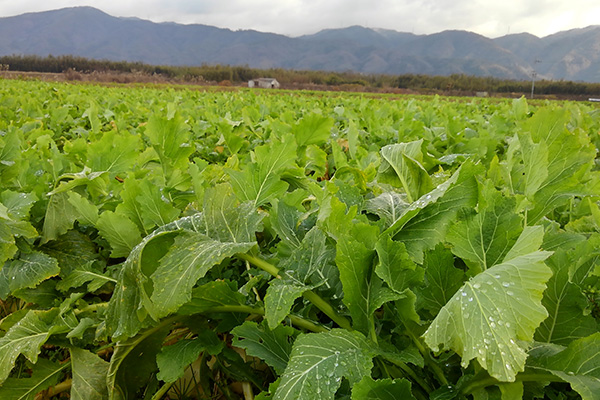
column 162, row 243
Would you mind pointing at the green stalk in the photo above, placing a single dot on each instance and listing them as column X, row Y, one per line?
column 296, row 321
column 437, row 371
column 530, row 377
column 410, row 373
column 311, row 296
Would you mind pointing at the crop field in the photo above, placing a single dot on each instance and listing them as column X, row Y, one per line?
column 178, row 244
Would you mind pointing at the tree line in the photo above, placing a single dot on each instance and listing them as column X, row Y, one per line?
column 290, row 78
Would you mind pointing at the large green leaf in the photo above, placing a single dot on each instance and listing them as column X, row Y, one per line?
column 442, row 279
column 319, row 361
column 169, row 137
column 173, row 359
column 570, row 157
column 566, row 304
column 313, row 129
column 60, row 215
column 72, row 250
column 486, row 237
column 190, row 246
column 27, row 337
column 280, row 297
column 389, row 206
column 134, row 361
column 113, row 152
column 425, row 222
column 45, row 374
column 89, row 375
column 260, row 181
column 578, row 364
column 13, row 209
column 307, row 267
column 155, row 210
column 121, row 233
column 188, row 259
column 273, row 346
column 27, row 271
column 401, row 166
column 210, row 295
column 382, row 389
column 355, row 263
column 491, row 313
column 395, row 266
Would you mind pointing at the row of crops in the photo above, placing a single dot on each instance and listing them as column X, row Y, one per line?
column 175, row 244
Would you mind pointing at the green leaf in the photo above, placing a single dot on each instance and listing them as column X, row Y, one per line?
column 113, row 152
column 17, row 204
column 210, row 295
column 89, row 375
column 566, row 306
column 169, row 137
column 260, row 181
column 273, row 346
column 312, row 129
column 578, row 364
column 493, row 311
column 121, row 233
column 45, row 374
column 154, row 209
column 224, row 228
column 425, row 222
column 87, row 213
column 395, row 266
column 27, row 271
column 355, row 263
column 27, row 337
column 280, row 297
column 71, row 250
column 134, row 361
column 319, row 361
column 389, row 206
column 173, row 359
column 442, row 279
column 382, row 389
column 60, row 215
column 401, row 167
column 188, row 259
column 570, row 157
column 486, row 237
column 83, row 274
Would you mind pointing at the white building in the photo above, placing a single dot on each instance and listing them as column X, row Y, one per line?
column 265, row 83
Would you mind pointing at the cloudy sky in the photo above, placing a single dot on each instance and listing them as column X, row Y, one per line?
column 491, row 18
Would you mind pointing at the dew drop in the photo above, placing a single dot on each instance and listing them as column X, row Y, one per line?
column 470, row 299
column 508, row 324
column 508, row 367
column 500, row 322
column 490, row 283
column 510, row 293
column 477, row 286
column 464, row 363
column 463, row 293
column 493, row 324
column 497, row 276
column 491, row 318
column 506, row 284
column 435, row 349
column 571, row 373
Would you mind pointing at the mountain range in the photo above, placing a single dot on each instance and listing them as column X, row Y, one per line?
column 89, row 32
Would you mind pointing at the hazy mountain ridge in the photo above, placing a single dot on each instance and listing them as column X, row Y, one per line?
column 88, row 32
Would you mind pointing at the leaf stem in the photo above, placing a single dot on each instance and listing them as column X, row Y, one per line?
column 437, row 371
column 489, row 381
column 294, row 319
column 309, row 295
column 262, row 264
column 407, row 371
column 162, row 391
column 91, row 308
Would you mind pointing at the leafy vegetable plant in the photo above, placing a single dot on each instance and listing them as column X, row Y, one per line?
column 237, row 245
